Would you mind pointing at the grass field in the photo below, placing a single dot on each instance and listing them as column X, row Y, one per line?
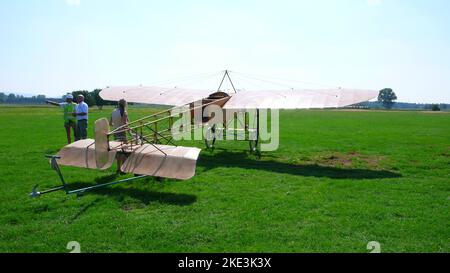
column 339, row 180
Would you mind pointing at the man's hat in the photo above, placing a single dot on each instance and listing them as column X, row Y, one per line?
column 69, row 96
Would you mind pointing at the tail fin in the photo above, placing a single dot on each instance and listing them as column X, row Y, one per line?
column 101, row 142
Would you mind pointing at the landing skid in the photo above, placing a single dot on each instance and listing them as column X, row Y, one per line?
column 54, row 164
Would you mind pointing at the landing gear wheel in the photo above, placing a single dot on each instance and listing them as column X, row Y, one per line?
column 210, row 137
column 258, row 154
column 159, row 179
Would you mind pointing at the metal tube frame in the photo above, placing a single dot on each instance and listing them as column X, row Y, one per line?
column 54, row 164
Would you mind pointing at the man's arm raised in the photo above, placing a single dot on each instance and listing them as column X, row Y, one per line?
column 52, row 103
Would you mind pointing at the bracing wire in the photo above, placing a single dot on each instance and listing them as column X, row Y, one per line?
column 261, row 80
column 245, row 81
column 242, row 79
column 196, row 80
column 240, row 75
column 285, row 80
column 206, row 78
column 186, row 78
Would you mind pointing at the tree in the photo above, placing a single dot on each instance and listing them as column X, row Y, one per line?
column 40, row 97
column 98, row 100
column 2, row 97
column 387, row 97
column 87, row 97
column 11, row 98
column 435, row 107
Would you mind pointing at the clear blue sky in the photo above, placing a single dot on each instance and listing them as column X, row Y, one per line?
column 54, row 46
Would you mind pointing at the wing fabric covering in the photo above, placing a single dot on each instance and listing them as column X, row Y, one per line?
column 163, row 161
column 154, row 160
column 82, row 154
column 255, row 99
column 154, row 95
column 299, row 99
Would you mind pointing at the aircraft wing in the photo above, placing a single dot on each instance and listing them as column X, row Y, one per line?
column 263, row 99
column 154, row 95
column 298, row 99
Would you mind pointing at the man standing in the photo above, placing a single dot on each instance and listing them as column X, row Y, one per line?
column 81, row 113
column 69, row 120
column 119, row 118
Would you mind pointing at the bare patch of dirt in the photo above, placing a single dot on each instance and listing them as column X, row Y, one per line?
column 336, row 160
column 351, row 110
column 127, row 208
column 350, row 159
column 446, row 154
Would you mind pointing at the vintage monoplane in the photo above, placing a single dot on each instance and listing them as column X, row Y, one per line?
column 149, row 146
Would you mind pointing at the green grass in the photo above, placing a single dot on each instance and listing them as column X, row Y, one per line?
column 339, row 180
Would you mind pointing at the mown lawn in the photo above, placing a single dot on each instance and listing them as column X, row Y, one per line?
column 339, row 180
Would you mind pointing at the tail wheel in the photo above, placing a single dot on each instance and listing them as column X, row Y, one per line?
column 253, row 146
column 210, row 137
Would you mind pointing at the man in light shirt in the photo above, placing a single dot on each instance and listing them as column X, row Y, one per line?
column 81, row 113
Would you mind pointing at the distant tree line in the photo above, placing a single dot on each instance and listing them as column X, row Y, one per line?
column 387, row 100
column 405, row 106
column 92, row 98
column 20, row 99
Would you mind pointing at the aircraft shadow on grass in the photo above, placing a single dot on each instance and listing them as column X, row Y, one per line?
column 209, row 161
column 244, row 161
column 143, row 195
column 83, row 210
